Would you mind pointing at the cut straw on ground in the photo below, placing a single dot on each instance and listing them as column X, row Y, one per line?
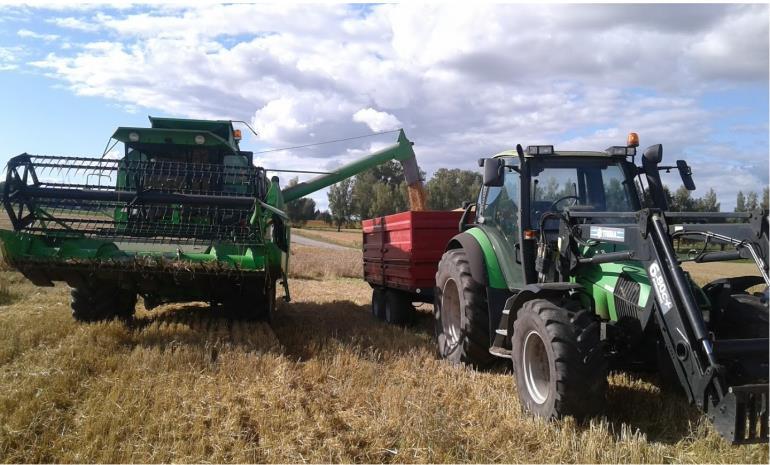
column 326, row 383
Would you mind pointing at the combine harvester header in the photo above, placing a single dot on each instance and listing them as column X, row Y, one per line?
column 183, row 215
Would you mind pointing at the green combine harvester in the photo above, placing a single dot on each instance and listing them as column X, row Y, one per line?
column 183, row 215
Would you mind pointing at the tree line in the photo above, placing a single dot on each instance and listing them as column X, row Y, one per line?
column 382, row 190
column 682, row 200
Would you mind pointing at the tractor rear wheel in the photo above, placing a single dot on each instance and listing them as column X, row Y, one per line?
column 96, row 301
column 558, row 361
column 460, row 313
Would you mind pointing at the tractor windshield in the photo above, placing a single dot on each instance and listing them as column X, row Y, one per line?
column 593, row 185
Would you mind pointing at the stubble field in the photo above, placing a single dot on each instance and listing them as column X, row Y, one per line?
column 327, row 383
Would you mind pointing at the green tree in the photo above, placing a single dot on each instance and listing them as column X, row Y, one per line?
column 449, row 188
column 740, row 202
column 387, row 199
column 615, row 195
column 765, row 205
column 369, row 200
column 300, row 210
column 751, row 201
column 341, row 202
column 682, row 200
column 325, row 216
column 708, row 203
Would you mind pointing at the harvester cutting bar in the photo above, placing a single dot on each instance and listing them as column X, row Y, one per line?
column 133, row 200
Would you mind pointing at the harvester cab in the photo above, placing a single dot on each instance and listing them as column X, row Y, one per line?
column 573, row 267
column 182, row 215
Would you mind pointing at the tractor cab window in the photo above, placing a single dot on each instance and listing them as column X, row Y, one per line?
column 595, row 185
column 500, row 206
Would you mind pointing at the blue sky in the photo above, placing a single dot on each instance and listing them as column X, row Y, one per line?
column 463, row 81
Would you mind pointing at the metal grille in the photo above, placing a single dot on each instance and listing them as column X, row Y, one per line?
column 626, row 297
column 133, row 200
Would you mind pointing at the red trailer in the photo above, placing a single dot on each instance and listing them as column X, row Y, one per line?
column 401, row 255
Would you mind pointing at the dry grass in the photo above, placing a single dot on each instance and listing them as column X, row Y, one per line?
column 316, row 263
column 703, row 273
column 327, row 383
column 347, row 238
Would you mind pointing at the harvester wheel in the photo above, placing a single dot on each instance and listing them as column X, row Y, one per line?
column 558, row 360
column 378, row 303
column 100, row 302
column 255, row 303
column 398, row 307
column 460, row 313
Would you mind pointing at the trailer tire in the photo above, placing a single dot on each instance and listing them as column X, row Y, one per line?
column 398, row 307
column 378, row 303
column 96, row 302
column 460, row 313
column 558, row 360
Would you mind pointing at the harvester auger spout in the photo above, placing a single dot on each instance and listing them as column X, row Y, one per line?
column 401, row 151
column 183, row 215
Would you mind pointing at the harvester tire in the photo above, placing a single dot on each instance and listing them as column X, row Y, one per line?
column 398, row 307
column 99, row 302
column 378, row 303
column 460, row 313
column 558, row 360
column 256, row 303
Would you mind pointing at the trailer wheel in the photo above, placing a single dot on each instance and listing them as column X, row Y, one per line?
column 95, row 302
column 460, row 313
column 398, row 307
column 378, row 303
column 558, row 361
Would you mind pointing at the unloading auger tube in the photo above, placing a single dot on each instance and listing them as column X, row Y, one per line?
column 183, row 215
column 401, row 151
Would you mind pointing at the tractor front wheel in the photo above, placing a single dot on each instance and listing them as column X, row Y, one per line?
column 558, row 361
column 95, row 302
column 460, row 313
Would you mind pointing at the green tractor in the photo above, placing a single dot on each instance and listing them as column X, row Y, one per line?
column 183, row 215
column 566, row 265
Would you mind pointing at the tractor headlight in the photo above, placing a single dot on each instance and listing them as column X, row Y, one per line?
column 200, row 140
column 133, row 137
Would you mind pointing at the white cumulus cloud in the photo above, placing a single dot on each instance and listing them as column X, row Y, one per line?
column 464, row 81
column 376, row 120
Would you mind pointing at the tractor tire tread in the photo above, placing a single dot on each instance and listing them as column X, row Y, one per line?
column 581, row 368
column 474, row 321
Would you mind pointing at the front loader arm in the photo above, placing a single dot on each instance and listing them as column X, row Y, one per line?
column 739, row 411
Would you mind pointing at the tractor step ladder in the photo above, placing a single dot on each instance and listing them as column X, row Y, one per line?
column 499, row 348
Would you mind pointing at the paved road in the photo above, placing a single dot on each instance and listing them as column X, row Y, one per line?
column 302, row 240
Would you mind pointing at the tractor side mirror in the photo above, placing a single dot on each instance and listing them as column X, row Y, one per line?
column 494, row 172
column 653, row 154
column 686, row 173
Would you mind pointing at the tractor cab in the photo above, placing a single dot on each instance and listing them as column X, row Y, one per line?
column 526, row 192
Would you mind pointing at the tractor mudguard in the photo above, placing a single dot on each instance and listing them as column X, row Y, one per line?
column 485, row 267
column 475, row 256
column 536, row 291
